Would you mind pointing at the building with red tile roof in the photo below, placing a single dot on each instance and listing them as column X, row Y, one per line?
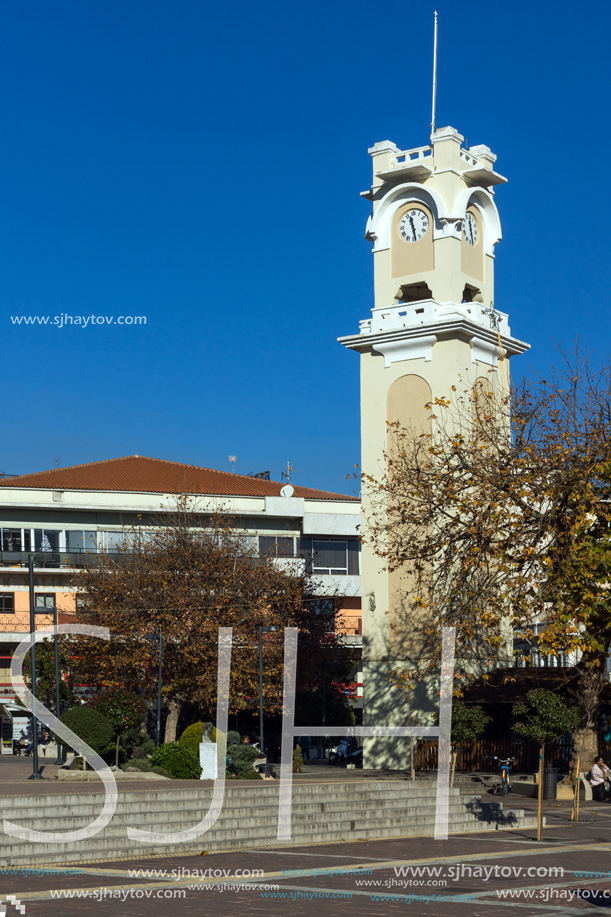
column 140, row 474
column 60, row 514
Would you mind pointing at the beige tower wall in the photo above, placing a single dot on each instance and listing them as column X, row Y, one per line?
column 406, row 402
column 392, row 633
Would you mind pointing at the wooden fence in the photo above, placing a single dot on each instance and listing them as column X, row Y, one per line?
column 480, row 755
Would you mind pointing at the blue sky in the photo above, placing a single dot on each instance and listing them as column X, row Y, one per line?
column 202, row 166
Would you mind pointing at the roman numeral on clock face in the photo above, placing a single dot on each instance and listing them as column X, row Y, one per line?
column 413, row 225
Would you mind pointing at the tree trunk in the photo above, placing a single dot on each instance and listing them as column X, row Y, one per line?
column 587, row 692
column 454, row 757
column 585, row 749
column 171, row 723
column 117, row 752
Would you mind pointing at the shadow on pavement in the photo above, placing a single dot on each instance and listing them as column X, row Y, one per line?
column 491, row 812
column 595, row 896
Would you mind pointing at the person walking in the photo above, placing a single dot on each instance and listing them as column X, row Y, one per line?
column 305, row 743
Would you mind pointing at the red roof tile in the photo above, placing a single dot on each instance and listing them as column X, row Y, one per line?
column 148, row 475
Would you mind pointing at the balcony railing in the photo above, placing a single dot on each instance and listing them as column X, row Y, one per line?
column 52, row 559
column 80, row 559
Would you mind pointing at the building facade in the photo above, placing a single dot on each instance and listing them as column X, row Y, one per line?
column 60, row 516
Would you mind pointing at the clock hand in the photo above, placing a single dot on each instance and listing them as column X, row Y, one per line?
column 413, row 228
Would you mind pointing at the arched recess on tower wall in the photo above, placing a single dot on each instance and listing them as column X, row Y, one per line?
column 406, row 402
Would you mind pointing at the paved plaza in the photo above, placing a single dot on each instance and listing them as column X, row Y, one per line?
column 503, row 873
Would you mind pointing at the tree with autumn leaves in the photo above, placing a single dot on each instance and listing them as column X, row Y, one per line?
column 195, row 574
column 499, row 517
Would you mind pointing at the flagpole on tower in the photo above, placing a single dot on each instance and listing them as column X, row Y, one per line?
column 434, row 76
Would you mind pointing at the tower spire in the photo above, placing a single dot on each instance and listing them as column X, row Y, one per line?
column 434, row 75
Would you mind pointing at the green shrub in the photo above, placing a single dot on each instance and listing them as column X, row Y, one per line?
column 146, row 766
column 123, row 709
column 233, row 738
column 109, row 754
column 144, row 750
column 143, row 764
column 89, row 725
column 297, row 761
column 182, row 761
column 243, row 757
column 192, row 735
column 137, row 744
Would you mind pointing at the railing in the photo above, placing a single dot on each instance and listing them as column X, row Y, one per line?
column 349, row 624
column 405, row 157
column 52, row 559
column 468, row 158
column 79, row 559
column 479, row 755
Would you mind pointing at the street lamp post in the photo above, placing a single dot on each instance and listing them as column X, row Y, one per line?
column 324, row 708
column 158, row 731
column 157, row 635
column 35, row 775
column 58, row 759
column 45, row 610
column 262, row 630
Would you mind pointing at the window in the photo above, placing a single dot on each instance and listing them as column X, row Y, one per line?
column 247, row 542
column 45, row 601
column 339, row 558
column 7, row 603
column 115, row 541
column 13, row 539
column 277, row 545
column 325, row 609
column 80, row 541
column 46, row 540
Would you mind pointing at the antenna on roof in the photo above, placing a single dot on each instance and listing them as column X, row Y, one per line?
column 261, row 475
column 57, row 461
column 434, row 76
column 232, row 460
column 286, row 475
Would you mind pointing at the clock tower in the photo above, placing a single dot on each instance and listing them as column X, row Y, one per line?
column 434, row 228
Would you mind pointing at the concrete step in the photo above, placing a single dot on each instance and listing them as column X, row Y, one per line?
column 268, row 819
column 382, row 788
column 245, row 807
column 107, row 849
column 321, row 813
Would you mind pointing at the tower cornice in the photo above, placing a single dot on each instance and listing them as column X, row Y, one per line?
column 408, row 332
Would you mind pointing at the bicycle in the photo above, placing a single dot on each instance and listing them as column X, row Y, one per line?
column 504, row 787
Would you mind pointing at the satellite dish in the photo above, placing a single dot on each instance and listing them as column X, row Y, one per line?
column 287, row 491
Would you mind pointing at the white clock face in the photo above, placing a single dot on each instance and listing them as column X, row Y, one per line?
column 413, row 225
column 469, row 229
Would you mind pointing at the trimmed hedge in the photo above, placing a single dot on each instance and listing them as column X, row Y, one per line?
column 192, row 735
column 182, row 761
column 90, row 726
